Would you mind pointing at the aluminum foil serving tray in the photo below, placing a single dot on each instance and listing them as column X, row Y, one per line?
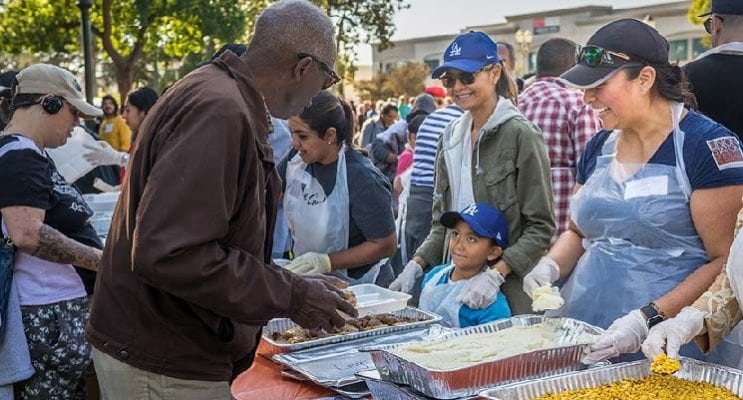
column 469, row 381
column 693, row 370
column 282, row 324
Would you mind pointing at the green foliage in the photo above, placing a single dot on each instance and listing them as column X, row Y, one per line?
column 407, row 79
column 698, row 7
column 163, row 30
column 156, row 40
column 403, row 80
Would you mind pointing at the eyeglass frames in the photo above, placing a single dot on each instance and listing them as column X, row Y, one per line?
column 595, row 56
column 708, row 23
column 467, row 78
column 333, row 77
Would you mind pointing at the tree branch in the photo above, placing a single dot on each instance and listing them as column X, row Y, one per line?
column 141, row 39
column 108, row 45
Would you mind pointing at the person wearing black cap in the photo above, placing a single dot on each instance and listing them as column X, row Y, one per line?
column 492, row 154
column 715, row 76
column 656, row 196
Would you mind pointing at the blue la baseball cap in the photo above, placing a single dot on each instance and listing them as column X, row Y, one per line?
column 469, row 52
column 484, row 219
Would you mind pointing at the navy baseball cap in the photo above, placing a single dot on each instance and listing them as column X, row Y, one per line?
column 730, row 7
column 469, row 52
column 484, row 219
column 634, row 38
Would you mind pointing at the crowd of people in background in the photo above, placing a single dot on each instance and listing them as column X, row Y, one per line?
column 610, row 173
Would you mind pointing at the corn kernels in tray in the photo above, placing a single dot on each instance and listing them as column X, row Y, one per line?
column 655, row 387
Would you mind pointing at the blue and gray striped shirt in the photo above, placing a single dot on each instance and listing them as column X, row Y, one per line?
column 427, row 140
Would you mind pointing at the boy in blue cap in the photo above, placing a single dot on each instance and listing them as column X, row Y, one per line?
column 479, row 233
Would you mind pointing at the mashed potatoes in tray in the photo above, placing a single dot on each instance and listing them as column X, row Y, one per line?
column 463, row 351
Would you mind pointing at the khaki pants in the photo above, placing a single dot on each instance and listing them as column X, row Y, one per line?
column 120, row 381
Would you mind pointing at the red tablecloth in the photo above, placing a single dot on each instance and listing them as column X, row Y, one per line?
column 264, row 381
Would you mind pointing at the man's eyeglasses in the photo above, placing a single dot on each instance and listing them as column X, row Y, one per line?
column 594, row 56
column 708, row 23
column 467, row 78
column 333, row 78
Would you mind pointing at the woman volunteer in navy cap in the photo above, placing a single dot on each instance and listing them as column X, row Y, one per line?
column 657, row 194
column 492, row 154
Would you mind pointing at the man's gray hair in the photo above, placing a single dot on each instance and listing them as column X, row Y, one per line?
column 289, row 27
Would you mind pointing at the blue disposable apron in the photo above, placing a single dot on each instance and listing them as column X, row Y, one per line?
column 442, row 299
column 640, row 239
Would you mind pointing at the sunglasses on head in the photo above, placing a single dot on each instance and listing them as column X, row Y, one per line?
column 708, row 23
column 333, row 78
column 467, row 78
column 594, row 56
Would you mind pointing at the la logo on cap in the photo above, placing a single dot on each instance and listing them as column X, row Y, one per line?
column 471, row 210
column 455, row 50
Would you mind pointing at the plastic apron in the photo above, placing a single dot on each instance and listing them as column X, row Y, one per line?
column 640, row 239
column 442, row 299
column 320, row 223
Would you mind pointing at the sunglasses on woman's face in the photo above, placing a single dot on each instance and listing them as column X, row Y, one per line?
column 449, row 80
column 594, row 56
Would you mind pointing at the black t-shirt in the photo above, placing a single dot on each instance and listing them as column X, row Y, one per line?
column 369, row 195
column 717, row 83
column 28, row 177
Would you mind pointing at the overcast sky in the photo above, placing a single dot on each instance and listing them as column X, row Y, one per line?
column 439, row 17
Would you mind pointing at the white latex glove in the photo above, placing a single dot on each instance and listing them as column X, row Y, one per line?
column 623, row 336
column 674, row 333
column 102, row 153
column 544, row 273
column 310, row 263
column 481, row 290
column 406, row 280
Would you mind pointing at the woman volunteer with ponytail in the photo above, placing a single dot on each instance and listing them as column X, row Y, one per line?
column 658, row 190
column 338, row 205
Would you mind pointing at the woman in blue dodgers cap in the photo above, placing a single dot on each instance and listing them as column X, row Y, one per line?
column 657, row 194
column 492, row 154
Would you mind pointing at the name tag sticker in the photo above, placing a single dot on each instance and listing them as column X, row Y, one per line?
column 726, row 152
column 654, row 186
column 108, row 128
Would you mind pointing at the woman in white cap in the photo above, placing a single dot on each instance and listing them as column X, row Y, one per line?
column 493, row 155
column 658, row 189
column 46, row 220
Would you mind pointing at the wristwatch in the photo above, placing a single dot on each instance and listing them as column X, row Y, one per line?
column 652, row 314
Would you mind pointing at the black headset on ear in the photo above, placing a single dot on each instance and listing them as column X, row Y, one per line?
column 52, row 104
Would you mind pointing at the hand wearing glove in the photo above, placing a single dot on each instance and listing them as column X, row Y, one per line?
column 318, row 305
column 674, row 333
column 310, row 263
column 406, row 280
column 482, row 290
column 623, row 336
column 102, row 153
column 544, row 273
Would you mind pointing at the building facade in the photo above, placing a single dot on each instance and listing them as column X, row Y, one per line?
column 576, row 24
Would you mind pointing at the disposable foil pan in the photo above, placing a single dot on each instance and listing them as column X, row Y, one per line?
column 384, row 390
column 336, row 365
column 694, row 370
column 282, row 324
column 469, row 381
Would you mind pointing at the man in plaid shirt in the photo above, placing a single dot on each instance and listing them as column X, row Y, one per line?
column 567, row 123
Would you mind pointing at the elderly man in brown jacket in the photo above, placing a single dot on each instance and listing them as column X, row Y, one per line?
column 186, row 280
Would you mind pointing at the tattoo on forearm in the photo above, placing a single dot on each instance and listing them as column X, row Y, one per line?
column 56, row 247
